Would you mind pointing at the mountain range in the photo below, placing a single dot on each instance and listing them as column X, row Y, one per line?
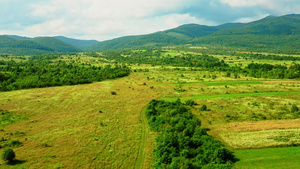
column 273, row 33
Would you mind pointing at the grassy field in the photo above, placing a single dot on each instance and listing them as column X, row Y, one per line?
column 263, row 138
column 275, row 158
column 85, row 126
column 82, row 126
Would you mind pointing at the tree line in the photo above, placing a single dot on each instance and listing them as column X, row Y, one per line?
column 42, row 71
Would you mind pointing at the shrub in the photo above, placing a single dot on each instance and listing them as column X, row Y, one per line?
column 190, row 103
column 294, row 108
column 113, row 93
column 203, row 108
column 14, row 143
column 8, row 155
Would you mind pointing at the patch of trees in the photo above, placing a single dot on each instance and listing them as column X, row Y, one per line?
column 155, row 57
column 273, row 71
column 42, row 71
column 268, row 57
column 182, row 141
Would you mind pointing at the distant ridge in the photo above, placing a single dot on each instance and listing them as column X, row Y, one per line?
column 81, row 44
column 272, row 33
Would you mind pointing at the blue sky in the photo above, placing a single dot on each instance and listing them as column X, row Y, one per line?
column 107, row 19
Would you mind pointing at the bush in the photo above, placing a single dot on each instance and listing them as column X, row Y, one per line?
column 14, row 143
column 203, row 108
column 8, row 155
column 294, row 108
column 113, row 93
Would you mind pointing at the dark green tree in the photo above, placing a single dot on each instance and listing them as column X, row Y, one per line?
column 8, row 155
column 294, row 108
column 203, row 108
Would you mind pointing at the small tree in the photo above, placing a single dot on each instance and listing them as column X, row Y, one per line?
column 294, row 108
column 203, row 108
column 8, row 155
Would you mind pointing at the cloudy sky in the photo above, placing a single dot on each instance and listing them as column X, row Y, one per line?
column 107, row 19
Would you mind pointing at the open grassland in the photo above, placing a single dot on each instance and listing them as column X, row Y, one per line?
column 236, row 101
column 86, row 126
column 82, row 126
column 275, row 158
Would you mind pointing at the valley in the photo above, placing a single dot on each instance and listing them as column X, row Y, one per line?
column 103, row 123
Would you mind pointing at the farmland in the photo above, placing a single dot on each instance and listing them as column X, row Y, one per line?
column 103, row 123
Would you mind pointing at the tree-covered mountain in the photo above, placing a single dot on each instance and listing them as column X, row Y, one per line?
column 17, row 45
column 55, row 44
column 272, row 33
column 11, row 46
column 81, row 44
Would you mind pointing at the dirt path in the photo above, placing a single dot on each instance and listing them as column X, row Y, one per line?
column 144, row 135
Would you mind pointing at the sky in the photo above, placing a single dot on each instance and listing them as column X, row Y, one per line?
column 107, row 19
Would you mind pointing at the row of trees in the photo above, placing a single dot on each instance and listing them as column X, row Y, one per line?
column 181, row 141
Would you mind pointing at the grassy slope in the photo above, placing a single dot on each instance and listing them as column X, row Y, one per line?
column 68, row 120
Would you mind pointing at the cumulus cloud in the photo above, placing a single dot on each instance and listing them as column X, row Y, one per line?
column 106, row 19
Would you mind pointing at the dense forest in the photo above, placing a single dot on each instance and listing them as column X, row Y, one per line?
column 181, row 140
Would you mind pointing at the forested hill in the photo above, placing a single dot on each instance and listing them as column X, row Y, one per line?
column 180, row 35
column 16, row 45
column 271, row 34
column 81, row 44
column 276, row 34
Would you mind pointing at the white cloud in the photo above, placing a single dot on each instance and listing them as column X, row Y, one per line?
column 279, row 7
column 106, row 19
column 250, row 19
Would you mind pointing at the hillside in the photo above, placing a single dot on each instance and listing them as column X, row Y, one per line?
column 81, row 44
column 11, row 46
column 17, row 45
column 272, row 33
column 57, row 45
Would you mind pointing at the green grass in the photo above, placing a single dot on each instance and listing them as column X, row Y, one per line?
column 275, row 158
column 7, row 118
column 232, row 95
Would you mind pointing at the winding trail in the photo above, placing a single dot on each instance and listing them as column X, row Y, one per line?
column 144, row 135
